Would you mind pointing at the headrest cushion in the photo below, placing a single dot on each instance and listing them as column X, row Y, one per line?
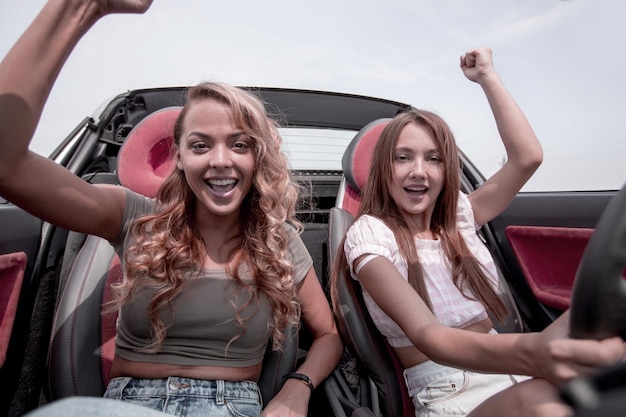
column 357, row 158
column 146, row 157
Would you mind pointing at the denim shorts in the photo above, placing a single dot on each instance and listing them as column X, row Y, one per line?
column 188, row 397
column 439, row 390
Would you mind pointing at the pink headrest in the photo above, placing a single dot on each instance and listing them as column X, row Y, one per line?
column 146, row 158
column 357, row 158
column 356, row 163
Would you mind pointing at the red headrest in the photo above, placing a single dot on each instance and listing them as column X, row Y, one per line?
column 356, row 163
column 357, row 158
column 146, row 158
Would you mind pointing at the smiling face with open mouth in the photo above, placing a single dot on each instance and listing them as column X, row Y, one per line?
column 217, row 157
column 418, row 175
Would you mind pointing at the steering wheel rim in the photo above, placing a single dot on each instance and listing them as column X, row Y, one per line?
column 598, row 304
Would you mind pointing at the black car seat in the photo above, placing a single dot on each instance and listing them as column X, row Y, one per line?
column 387, row 394
column 83, row 338
column 377, row 362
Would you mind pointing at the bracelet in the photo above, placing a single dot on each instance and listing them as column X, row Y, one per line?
column 305, row 379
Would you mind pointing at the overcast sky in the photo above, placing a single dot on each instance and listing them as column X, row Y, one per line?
column 563, row 61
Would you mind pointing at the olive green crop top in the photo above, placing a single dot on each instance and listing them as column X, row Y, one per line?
column 204, row 322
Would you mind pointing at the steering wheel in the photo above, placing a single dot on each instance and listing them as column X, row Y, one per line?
column 598, row 305
column 598, row 310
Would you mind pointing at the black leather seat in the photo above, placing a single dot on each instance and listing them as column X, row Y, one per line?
column 385, row 392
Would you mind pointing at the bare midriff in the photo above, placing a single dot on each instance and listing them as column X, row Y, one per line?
column 150, row 370
column 411, row 356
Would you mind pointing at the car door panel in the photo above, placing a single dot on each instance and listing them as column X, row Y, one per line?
column 19, row 232
column 20, row 235
column 548, row 258
column 540, row 239
column 12, row 266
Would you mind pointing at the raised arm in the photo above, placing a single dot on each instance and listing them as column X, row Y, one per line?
column 523, row 150
column 27, row 75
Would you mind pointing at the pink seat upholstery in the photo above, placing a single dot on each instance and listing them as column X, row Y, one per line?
column 146, row 158
column 356, row 164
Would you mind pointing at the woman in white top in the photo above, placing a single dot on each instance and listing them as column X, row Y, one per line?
column 428, row 281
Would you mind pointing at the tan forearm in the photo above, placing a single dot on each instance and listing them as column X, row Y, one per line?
column 29, row 70
column 486, row 353
column 519, row 139
column 322, row 358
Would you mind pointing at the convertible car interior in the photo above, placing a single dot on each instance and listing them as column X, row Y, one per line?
column 57, row 339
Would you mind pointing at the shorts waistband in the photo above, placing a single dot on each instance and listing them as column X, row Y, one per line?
column 420, row 375
column 183, row 386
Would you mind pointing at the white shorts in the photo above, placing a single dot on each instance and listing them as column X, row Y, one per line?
column 439, row 391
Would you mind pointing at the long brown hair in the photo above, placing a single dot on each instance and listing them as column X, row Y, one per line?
column 168, row 246
column 376, row 200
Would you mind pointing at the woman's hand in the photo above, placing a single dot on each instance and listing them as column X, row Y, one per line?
column 124, row 6
column 292, row 400
column 477, row 63
column 562, row 358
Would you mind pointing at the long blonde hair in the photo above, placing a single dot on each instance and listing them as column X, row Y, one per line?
column 168, row 246
column 377, row 201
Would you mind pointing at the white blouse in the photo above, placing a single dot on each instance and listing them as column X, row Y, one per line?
column 369, row 235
